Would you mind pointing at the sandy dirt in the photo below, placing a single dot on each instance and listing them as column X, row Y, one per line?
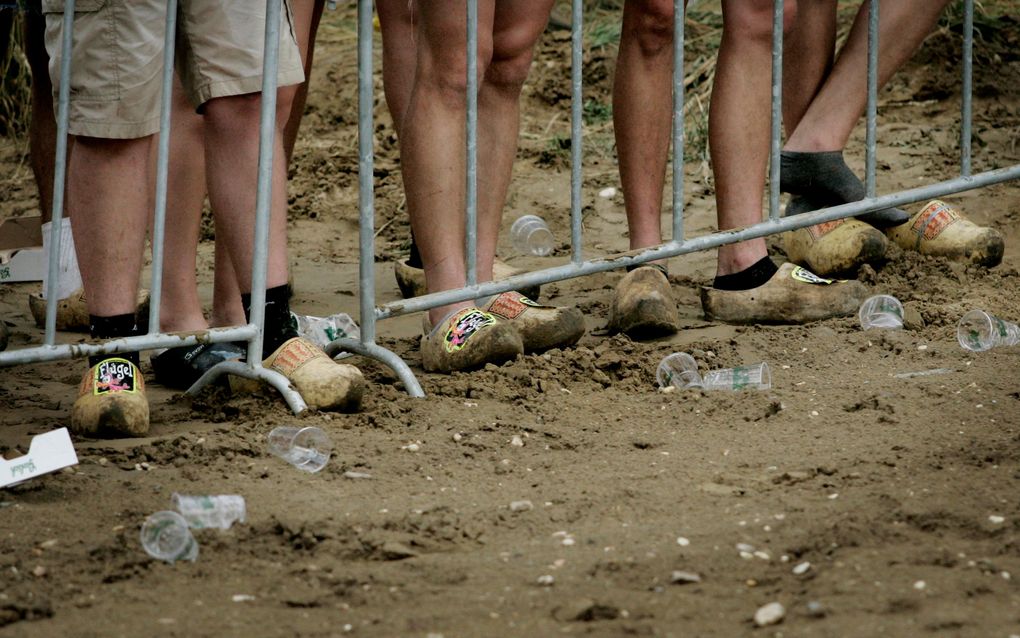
column 900, row 494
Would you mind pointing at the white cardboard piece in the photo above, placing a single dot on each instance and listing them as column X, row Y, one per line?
column 21, row 254
column 47, row 453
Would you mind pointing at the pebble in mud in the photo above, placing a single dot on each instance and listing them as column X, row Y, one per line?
column 816, row 609
column 769, row 614
column 680, row 577
column 802, row 568
column 521, row 506
column 517, row 441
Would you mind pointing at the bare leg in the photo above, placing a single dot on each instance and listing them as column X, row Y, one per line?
column 396, row 17
column 181, row 309
column 108, row 200
column 642, row 113
column 306, row 23
column 808, row 52
column 227, row 309
column 42, row 128
column 739, row 124
column 231, row 154
column 516, row 28
column 832, row 115
column 432, row 147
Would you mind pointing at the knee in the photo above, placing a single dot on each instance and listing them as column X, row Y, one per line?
column 508, row 72
column 649, row 23
column 236, row 115
column 752, row 19
column 443, row 71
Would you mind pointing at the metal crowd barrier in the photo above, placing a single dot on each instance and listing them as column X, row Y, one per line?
column 369, row 310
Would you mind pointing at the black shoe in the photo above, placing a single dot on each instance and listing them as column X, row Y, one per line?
column 180, row 368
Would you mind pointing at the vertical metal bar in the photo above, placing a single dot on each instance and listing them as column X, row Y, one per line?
column 873, row 15
column 366, row 193
column 778, row 10
column 59, row 171
column 678, row 120
column 264, row 192
column 576, row 129
column 966, row 109
column 471, row 159
column 162, row 167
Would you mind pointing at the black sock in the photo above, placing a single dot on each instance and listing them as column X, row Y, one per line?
column 752, row 277
column 113, row 328
column 658, row 267
column 279, row 323
column 825, row 179
column 414, row 259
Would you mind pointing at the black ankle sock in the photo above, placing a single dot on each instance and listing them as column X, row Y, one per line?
column 113, row 328
column 279, row 323
column 414, row 259
column 658, row 267
column 824, row 178
column 752, row 277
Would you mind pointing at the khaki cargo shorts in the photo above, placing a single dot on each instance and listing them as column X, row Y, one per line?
column 117, row 58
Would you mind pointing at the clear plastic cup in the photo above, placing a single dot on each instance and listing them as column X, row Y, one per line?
column 881, row 311
column 307, row 449
column 752, row 377
column 210, row 511
column 680, row 370
column 165, row 535
column 979, row 331
column 531, row 236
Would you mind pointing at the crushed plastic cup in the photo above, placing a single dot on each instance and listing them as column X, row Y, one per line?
column 979, row 331
column 531, row 236
column 881, row 311
column 202, row 512
column 323, row 330
column 308, row 449
column 679, row 370
column 752, row 377
column 166, row 536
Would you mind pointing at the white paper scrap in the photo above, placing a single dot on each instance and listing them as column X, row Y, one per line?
column 47, row 453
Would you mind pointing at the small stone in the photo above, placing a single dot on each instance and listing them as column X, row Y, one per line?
column 457, row 436
column 607, row 193
column 38, row 571
column 682, row 542
column 48, row 544
column 546, row 580
column 521, row 506
column 746, row 555
column 357, row 475
column 393, row 550
column 801, row 568
column 996, row 519
column 745, row 547
column 763, row 555
column 920, row 585
column 815, row 609
column 242, row 598
column 103, row 461
column 517, row 441
column 412, row 447
column 568, row 541
column 769, row 614
column 680, row 577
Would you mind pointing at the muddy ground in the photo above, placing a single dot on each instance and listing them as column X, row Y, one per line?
column 900, row 493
